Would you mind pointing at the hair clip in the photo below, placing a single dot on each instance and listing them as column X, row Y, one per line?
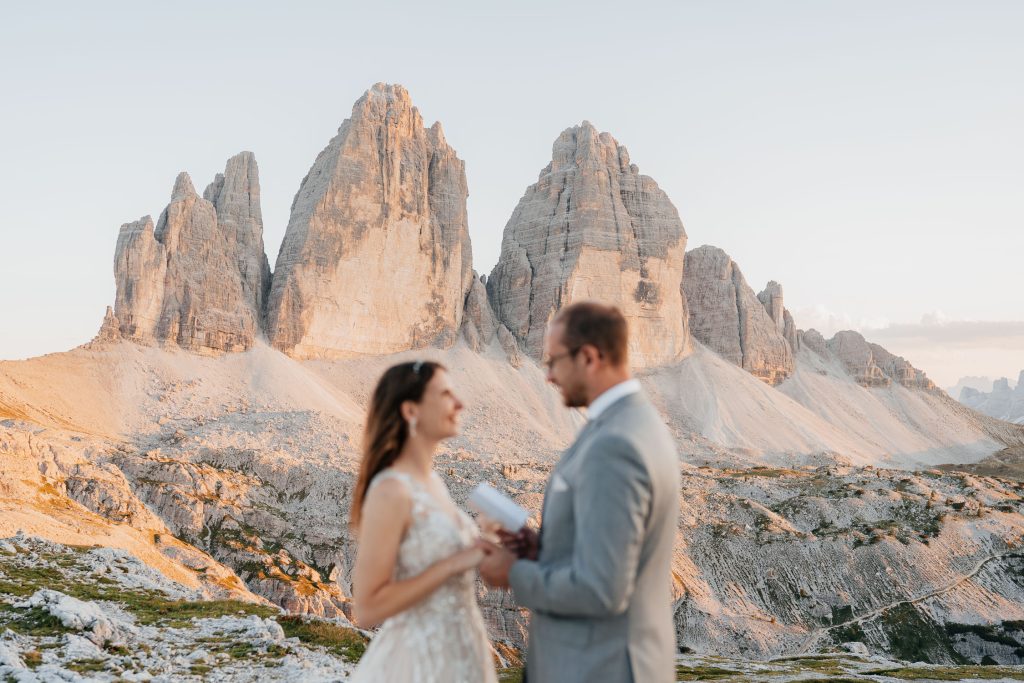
column 417, row 366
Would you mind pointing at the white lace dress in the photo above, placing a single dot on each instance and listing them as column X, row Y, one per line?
column 441, row 639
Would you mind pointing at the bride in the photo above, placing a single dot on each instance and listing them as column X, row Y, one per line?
column 414, row 571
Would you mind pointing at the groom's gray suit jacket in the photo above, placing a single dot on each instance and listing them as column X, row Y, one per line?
column 600, row 590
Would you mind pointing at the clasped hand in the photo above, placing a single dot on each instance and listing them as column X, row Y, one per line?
column 499, row 557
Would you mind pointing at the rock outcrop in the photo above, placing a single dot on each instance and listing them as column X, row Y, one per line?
column 789, row 331
column 771, row 299
column 728, row 318
column 873, row 366
column 900, row 370
column 812, row 340
column 236, row 195
column 478, row 323
column 592, row 227
column 377, row 256
column 855, row 353
column 196, row 278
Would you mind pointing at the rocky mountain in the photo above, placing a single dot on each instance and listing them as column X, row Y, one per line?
column 813, row 515
column 377, row 257
column 982, row 384
column 1003, row 402
column 198, row 277
column 871, row 365
column 727, row 317
column 593, row 227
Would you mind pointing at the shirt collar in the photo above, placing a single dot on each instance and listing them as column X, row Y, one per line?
column 610, row 396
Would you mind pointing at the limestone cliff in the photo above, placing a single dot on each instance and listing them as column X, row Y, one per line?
column 728, row 318
column 376, row 258
column 592, row 227
column 196, row 278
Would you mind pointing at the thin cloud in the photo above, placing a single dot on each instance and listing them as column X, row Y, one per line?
column 989, row 334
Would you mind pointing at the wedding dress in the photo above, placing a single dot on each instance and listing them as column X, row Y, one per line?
column 441, row 639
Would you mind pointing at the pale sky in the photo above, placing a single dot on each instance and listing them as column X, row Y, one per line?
column 868, row 155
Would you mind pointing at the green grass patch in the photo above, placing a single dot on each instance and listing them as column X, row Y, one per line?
column 157, row 610
column 34, row 621
column 703, row 673
column 344, row 642
column 511, row 675
column 86, row 665
column 950, row 673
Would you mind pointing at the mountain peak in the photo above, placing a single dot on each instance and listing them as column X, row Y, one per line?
column 383, row 207
column 592, row 227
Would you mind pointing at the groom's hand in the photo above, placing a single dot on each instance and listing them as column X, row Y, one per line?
column 496, row 564
column 525, row 543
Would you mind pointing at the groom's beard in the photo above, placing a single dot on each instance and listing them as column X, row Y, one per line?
column 575, row 396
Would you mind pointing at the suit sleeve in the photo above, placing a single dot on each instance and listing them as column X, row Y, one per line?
column 611, row 505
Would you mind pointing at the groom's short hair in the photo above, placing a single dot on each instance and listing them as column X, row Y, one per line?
column 601, row 326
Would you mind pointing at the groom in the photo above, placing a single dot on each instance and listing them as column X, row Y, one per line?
column 598, row 576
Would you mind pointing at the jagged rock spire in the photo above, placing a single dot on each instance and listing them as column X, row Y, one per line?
column 182, row 281
column 377, row 256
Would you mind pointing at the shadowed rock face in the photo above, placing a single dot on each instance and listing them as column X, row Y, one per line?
column 236, row 195
column 196, row 279
column 813, row 340
column 728, row 318
column 377, row 256
column 592, row 227
column 772, row 300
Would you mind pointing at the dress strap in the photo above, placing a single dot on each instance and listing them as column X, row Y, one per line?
column 390, row 473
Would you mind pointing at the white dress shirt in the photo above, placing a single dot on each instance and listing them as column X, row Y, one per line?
column 610, row 396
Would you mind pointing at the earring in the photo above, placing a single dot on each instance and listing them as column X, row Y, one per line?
column 412, row 426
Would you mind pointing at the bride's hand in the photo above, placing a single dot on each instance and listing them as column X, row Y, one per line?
column 465, row 560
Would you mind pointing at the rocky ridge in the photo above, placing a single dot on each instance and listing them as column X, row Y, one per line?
column 871, row 365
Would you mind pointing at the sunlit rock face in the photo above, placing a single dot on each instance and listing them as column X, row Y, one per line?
column 873, row 366
column 592, row 227
column 197, row 278
column 727, row 317
column 376, row 258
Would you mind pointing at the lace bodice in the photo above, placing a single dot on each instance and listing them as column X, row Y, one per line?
column 442, row 638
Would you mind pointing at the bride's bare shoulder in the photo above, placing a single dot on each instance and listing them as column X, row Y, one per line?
column 388, row 491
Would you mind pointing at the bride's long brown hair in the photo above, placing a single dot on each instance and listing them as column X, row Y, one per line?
column 386, row 429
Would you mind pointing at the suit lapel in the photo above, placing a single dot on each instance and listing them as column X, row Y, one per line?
column 587, row 429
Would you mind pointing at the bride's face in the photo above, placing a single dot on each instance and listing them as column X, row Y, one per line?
column 439, row 410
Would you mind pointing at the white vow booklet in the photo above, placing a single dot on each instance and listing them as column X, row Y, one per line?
column 493, row 504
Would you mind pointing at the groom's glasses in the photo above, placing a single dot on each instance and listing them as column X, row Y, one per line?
column 550, row 362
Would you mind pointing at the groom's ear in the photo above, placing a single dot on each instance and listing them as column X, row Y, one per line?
column 591, row 354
